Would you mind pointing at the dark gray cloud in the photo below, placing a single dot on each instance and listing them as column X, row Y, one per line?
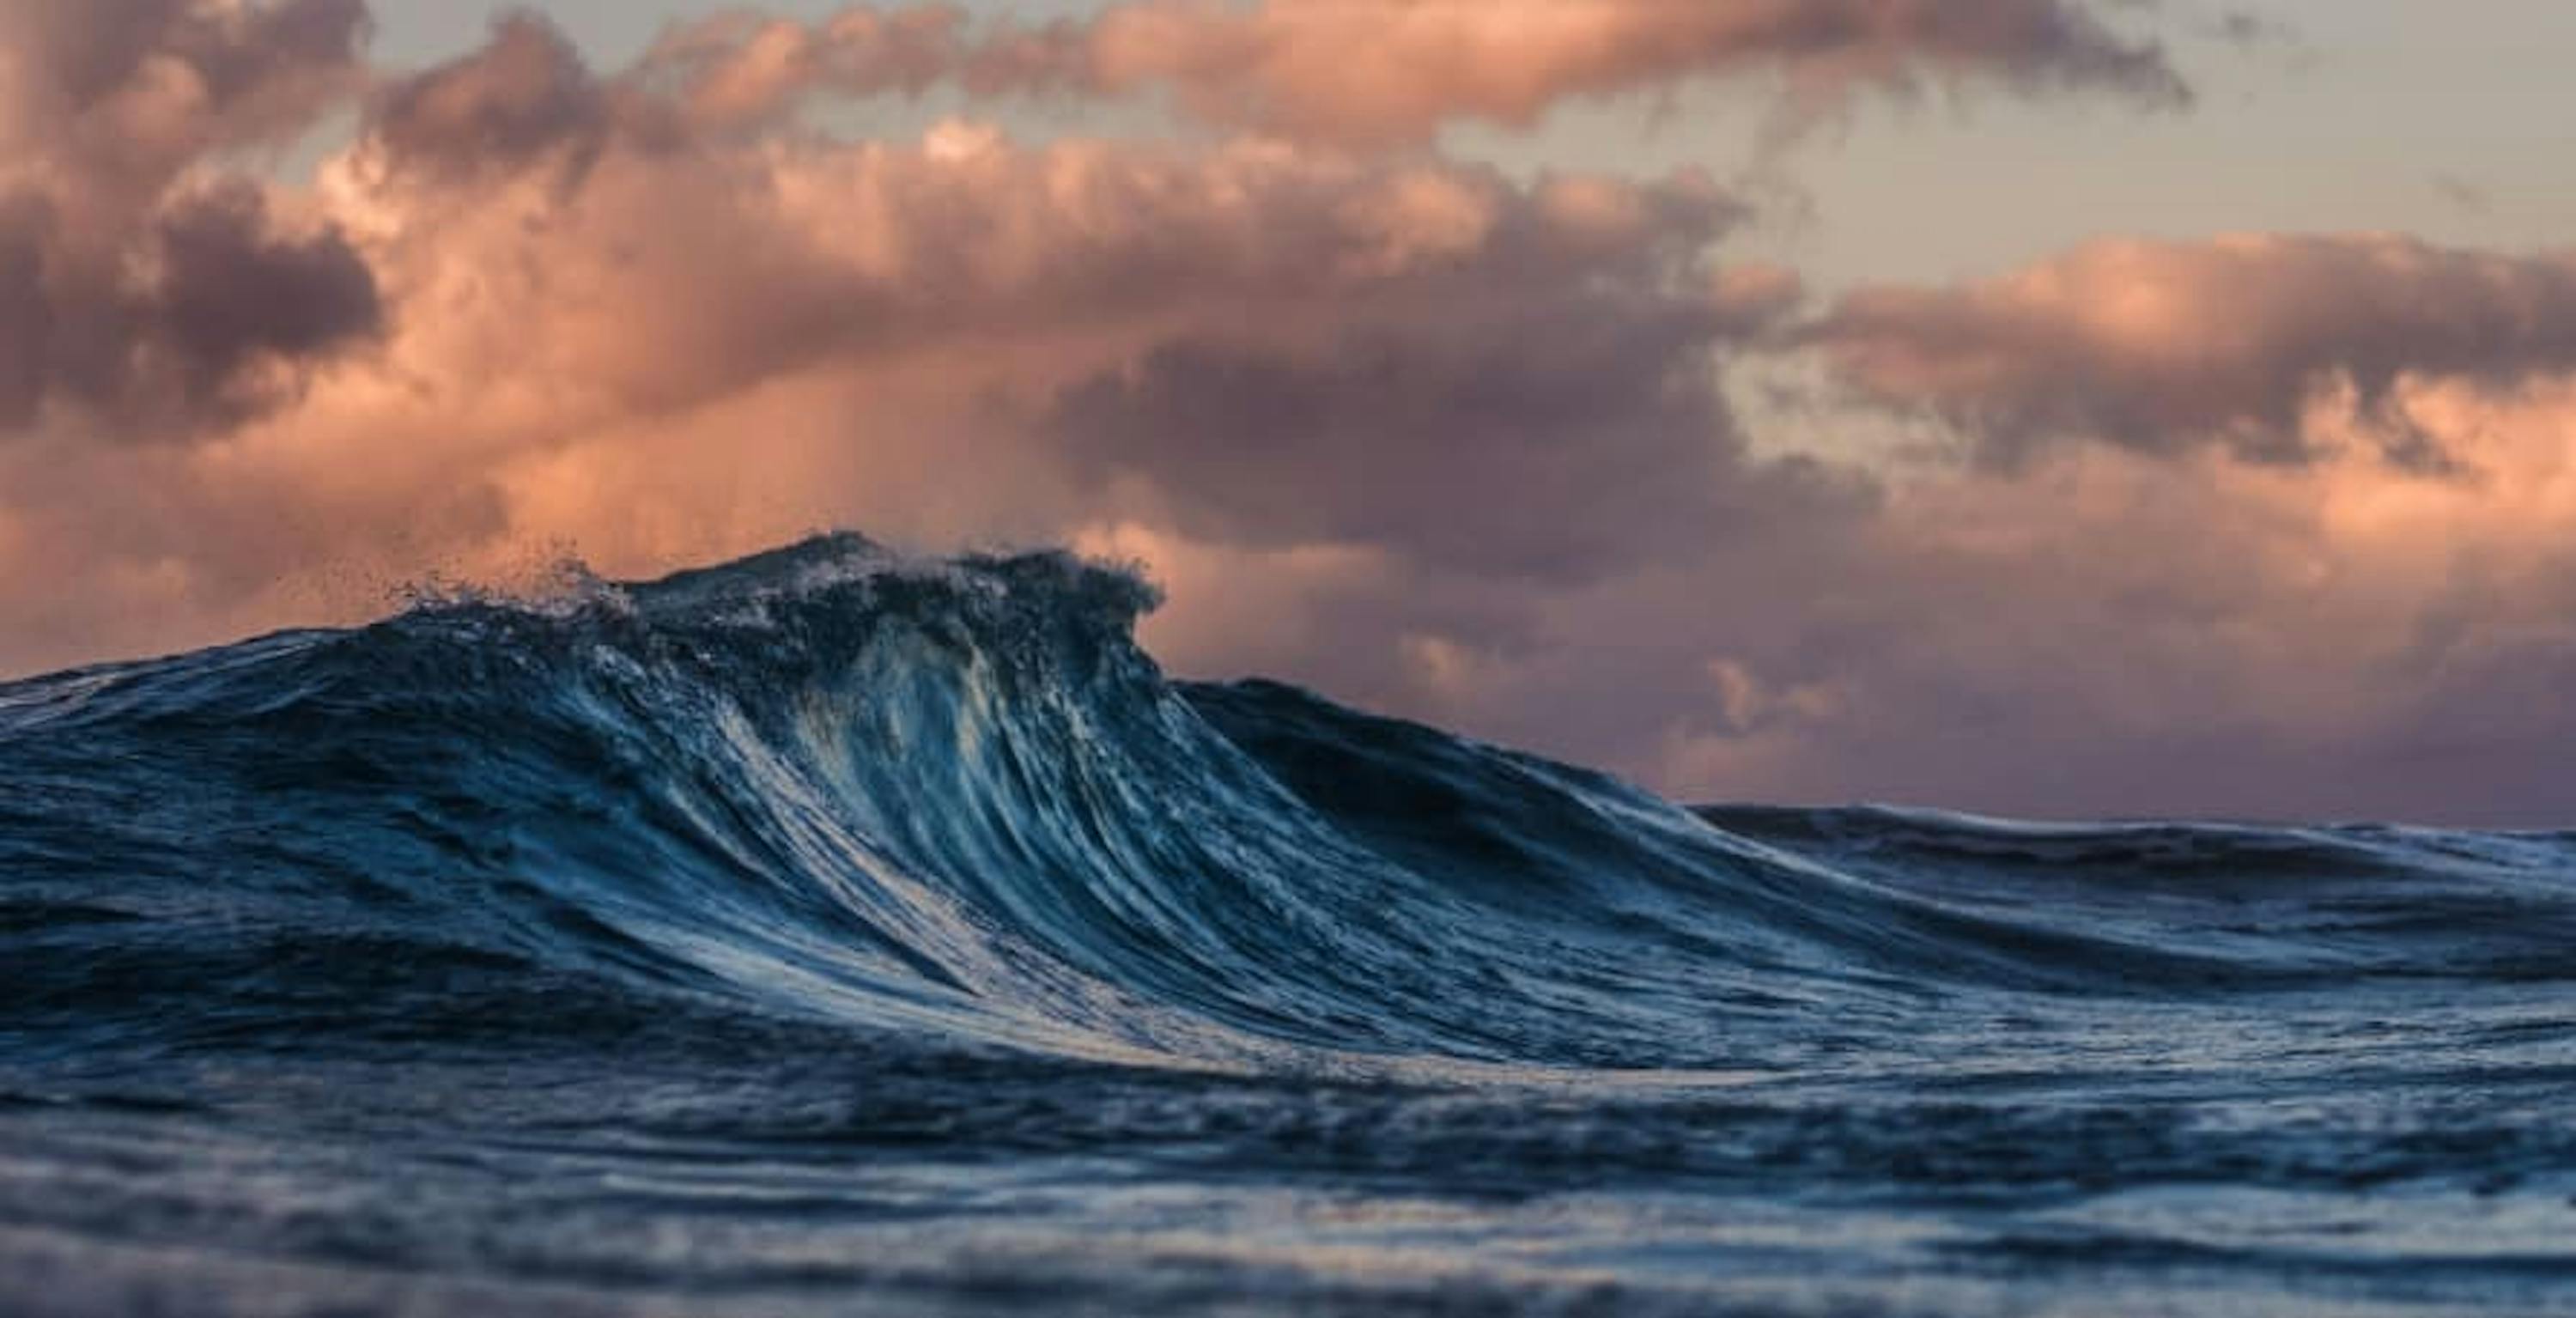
column 232, row 291
column 1561, row 434
column 180, row 335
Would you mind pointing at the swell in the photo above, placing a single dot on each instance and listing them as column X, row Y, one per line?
column 954, row 799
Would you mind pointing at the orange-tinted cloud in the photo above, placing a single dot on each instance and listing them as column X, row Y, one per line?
column 606, row 323
column 2168, row 345
column 742, row 68
column 1378, row 72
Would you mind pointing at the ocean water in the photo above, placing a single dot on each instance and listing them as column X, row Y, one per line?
column 835, row 933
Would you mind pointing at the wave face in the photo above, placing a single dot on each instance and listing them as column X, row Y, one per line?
column 834, row 928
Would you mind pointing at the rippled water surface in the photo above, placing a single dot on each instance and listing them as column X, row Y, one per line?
column 836, row 933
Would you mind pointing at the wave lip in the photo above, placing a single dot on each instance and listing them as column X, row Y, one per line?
column 953, row 798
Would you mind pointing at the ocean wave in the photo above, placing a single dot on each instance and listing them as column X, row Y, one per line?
column 954, row 800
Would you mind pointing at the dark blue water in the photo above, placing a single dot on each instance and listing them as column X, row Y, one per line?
column 830, row 933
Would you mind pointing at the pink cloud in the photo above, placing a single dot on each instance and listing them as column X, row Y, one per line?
column 2166, row 345
column 1397, row 71
column 601, row 323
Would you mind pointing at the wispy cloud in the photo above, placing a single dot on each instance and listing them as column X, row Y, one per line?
column 1381, row 72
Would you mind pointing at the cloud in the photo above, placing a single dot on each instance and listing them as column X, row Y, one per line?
column 2098, row 633
column 743, row 69
column 1561, row 350
column 524, row 94
column 122, row 94
column 1397, row 71
column 592, row 318
column 2235, row 341
column 230, row 291
column 1435, row 446
column 173, row 322
column 2109, row 632
column 673, row 270
column 1435, row 437
column 2179, row 624
column 140, row 295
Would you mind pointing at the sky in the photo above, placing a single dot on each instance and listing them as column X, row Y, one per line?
column 2042, row 407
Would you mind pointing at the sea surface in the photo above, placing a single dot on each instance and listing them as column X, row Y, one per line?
column 840, row 933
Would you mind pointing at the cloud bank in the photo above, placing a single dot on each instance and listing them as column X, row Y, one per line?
column 1381, row 72
column 2261, row 524
column 2163, row 345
